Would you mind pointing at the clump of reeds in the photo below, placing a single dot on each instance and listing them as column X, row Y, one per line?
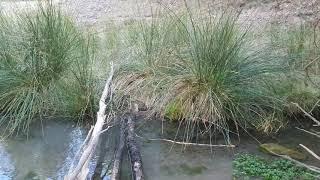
column 36, row 50
column 79, row 89
column 206, row 69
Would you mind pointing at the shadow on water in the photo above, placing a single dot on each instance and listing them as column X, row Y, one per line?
column 49, row 155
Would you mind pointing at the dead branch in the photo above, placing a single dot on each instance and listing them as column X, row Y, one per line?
column 307, row 114
column 80, row 172
column 314, row 106
column 193, row 144
column 314, row 134
column 309, row 151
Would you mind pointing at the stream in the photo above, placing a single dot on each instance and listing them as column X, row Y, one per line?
column 49, row 149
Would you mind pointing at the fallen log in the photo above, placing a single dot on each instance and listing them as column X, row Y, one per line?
column 134, row 151
column 81, row 170
column 116, row 170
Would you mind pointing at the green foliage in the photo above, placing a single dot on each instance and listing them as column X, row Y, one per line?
column 246, row 165
column 174, row 111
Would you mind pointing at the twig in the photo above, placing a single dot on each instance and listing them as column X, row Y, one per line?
column 307, row 114
column 314, row 134
column 101, row 132
column 193, row 144
column 309, row 151
column 314, row 106
column 314, row 60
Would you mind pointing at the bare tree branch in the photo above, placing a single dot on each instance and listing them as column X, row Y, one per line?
column 309, row 151
column 307, row 114
column 192, row 144
column 80, row 172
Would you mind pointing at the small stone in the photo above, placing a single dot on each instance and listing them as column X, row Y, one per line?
column 273, row 148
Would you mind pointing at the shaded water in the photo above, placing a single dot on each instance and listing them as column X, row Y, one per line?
column 48, row 154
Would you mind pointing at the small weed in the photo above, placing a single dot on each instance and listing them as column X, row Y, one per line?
column 246, row 165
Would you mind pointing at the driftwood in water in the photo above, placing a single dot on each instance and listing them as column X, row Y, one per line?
column 134, row 151
column 128, row 138
column 119, row 152
column 81, row 170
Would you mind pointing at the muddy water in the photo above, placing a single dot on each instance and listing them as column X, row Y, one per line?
column 49, row 151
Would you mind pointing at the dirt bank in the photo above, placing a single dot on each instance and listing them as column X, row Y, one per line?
column 100, row 12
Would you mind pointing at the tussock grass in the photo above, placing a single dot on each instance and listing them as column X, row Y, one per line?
column 36, row 50
column 203, row 71
column 205, row 68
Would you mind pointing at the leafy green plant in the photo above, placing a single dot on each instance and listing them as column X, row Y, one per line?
column 246, row 165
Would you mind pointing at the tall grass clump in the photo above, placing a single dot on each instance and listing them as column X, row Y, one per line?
column 36, row 50
column 208, row 71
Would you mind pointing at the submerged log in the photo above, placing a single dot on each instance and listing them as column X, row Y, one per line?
column 115, row 175
column 134, row 151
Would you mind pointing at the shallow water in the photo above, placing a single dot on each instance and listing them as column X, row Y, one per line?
column 49, row 152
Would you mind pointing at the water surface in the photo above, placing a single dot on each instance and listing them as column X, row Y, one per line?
column 49, row 150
